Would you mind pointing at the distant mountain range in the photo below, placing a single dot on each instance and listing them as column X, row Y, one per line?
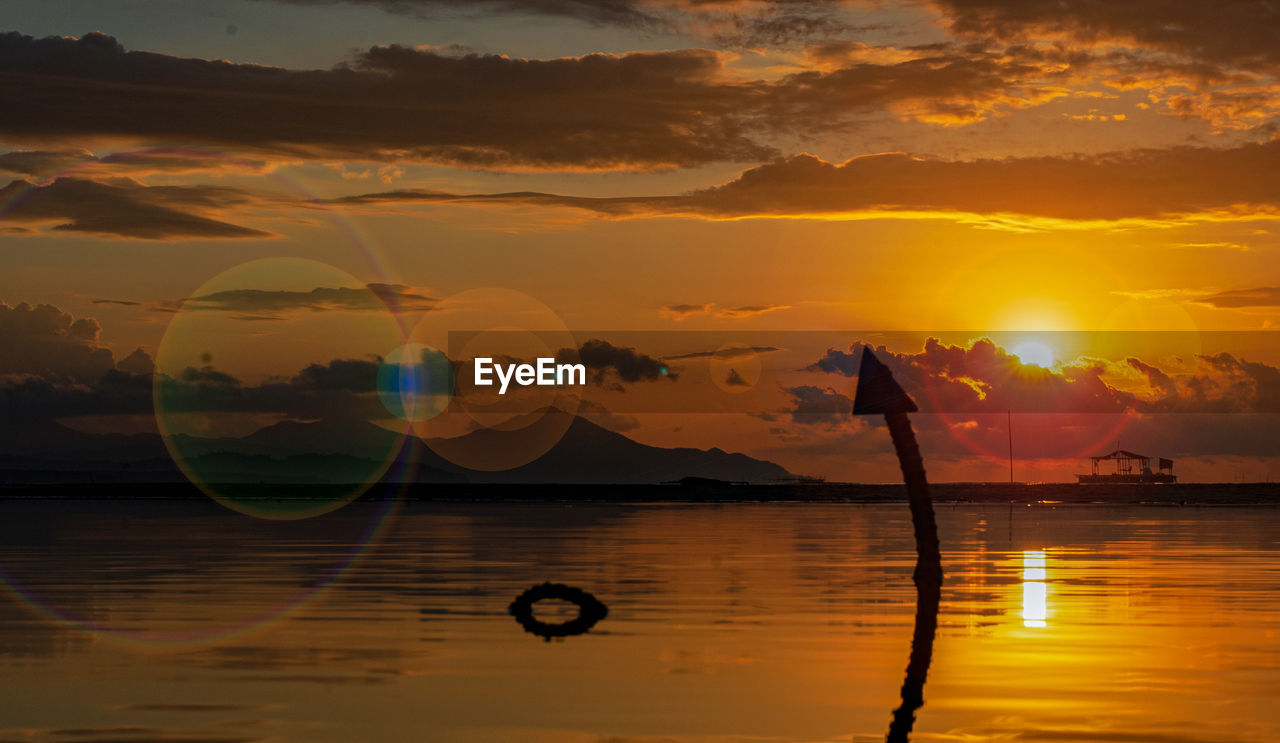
column 332, row 451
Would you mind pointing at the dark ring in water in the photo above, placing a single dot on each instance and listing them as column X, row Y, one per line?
column 590, row 610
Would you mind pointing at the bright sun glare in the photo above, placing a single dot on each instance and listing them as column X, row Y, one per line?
column 1033, row 353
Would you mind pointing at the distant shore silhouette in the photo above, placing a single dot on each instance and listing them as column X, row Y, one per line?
column 1047, row 495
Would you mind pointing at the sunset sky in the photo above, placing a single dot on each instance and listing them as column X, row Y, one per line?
column 793, row 177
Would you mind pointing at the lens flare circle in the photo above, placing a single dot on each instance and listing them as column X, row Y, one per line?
column 735, row 368
column 415, row 382
column 218, row 623
column 265, row 388
column 483, row 429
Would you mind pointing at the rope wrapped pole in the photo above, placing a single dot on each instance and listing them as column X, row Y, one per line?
column 878, row 393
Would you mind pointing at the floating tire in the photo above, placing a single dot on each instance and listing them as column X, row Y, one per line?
column 590, row 610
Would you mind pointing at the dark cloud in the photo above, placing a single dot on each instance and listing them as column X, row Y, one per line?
column 597, row 111
column 123, row 734
column 35, row 162
column 340, row 389
column 627, row 13
column 138, row 363
column 123, row 208
column 946, row 84
column 1155, row 376
column 1142, row 184
column 1217, row 62
column 819, row 405
column 1243, row 33
column 53, row 366
column 172, row 160
column 207, row 375
column 729, row 22
column 43, row 340
column 984, row 378
column 353, row 375
column 45, row 164
column 640, row 110
column 402, row 298
column 1237, row 385
column 785, row 23
column 163, row 707
column 1263, row 296
column 731, row 352
column 612, row 366
column 33, row 397
column 264, row 304
column 835, row 361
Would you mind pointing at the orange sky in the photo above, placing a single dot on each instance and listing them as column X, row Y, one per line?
column 735, row 166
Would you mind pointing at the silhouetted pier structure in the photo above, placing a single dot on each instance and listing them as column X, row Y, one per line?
column 1128, row 468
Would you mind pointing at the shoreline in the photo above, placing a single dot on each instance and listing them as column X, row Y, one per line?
column 1051, row 494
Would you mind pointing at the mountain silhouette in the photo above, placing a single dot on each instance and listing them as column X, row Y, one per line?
column 293, row 452
column 589, row 453
column 336, row 436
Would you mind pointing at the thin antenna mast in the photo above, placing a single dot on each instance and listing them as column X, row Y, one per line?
column 1010, row 415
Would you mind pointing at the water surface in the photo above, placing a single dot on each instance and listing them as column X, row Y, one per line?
column 155, row 621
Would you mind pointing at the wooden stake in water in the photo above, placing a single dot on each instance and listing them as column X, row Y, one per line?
column 879, row 393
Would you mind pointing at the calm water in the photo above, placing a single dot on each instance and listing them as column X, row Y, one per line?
column 178, row 622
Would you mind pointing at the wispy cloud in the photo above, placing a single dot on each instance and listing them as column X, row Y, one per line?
column 126, row 208
column 274, row 304
column 1182, row 183
column 1262, row 296
column 49, row 164
column 680, row 312
column 731, row 352
column 268, row 303
column 750, row 310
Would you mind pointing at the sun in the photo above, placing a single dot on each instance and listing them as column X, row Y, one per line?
column 1033, row 353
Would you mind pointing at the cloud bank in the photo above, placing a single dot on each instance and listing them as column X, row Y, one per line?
column 1177, row 183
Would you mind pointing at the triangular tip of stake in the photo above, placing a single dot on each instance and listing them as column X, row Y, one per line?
column 878, row 393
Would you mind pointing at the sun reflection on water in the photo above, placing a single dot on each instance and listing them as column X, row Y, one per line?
column 1035, row 591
